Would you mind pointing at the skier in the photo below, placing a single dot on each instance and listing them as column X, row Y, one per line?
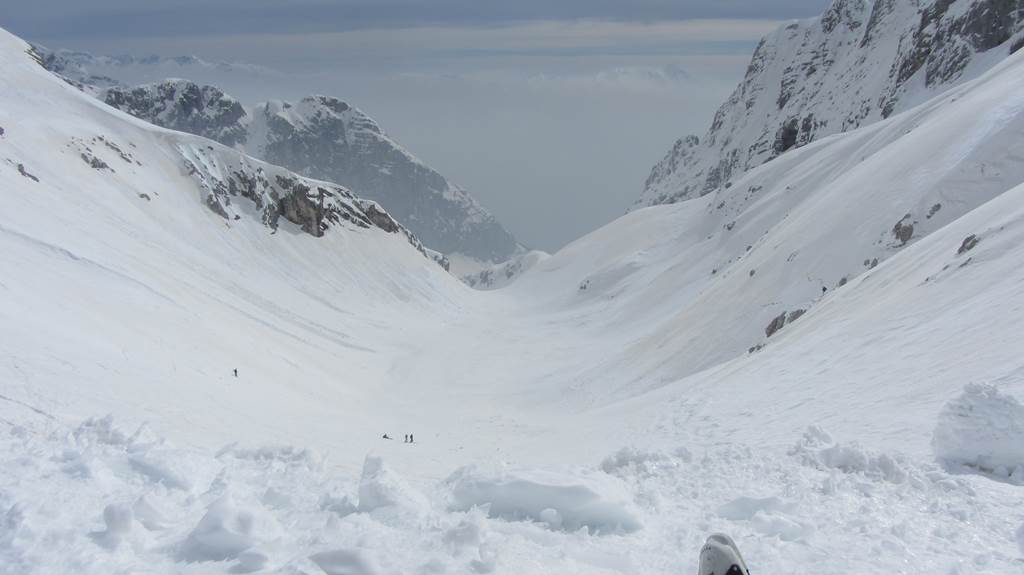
column 720, row 556
column 236, row 372
column 410, row 438
column 386, row 436
column 406, row 440
column 823, row 290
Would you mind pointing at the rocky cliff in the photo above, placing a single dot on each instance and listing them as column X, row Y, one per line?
column 860, row 62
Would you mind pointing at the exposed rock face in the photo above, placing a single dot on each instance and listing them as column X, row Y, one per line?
column 781, row 321
column 904, row 229
column 325, row 138
column 858, row 63
column 775, row 325
column 227, row 177
column 968, row 244
column 184, row 106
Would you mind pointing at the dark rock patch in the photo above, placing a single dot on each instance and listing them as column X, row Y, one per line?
column 903, row 230
column 775, row 325
column 94, row 162
column 785, row 137
column 24, row 172
column 380, row 218
column 968, row 244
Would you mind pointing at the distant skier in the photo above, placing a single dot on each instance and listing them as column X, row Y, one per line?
column 386, row 436
column 720, row 556
column 410, row 438
column 406, row 440
column 823, row 290
column 236, row 372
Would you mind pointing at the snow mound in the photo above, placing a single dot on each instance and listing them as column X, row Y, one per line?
column 562, row 503
column 226, row 531
column 982, row 430
column 817, row 449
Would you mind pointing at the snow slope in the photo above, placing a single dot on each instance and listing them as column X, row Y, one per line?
column 233, row 262
column 602, row 414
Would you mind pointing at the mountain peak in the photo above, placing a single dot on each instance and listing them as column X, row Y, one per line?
column 858, row 63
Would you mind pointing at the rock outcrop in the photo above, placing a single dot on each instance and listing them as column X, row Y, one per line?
column 227, row 177
column 184, row 106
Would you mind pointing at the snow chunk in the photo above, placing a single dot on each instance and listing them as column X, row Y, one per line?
column 639, row 460
column 818, row 449
column 345, row 562
column 225, row 532
column 562, row 503
column 149, row 514
column 380, row 487
column 769, row 516
column 982, row 430
column 341, row 506
column 744, row 508
column 100, row 430
column 118, row 519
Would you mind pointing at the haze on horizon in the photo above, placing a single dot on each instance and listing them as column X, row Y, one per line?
column 551, row 114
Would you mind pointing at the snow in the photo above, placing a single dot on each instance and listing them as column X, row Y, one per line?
column 597, row 504
column 601, row 414
column 982, row 430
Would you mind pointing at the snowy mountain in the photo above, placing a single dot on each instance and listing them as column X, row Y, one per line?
column 858, row 63
column 675, row 373
column 325, row 138
column 89, row 70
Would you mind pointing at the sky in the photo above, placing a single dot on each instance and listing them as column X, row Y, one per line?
column 550, row 112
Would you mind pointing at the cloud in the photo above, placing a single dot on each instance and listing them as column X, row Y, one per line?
column 45, row 19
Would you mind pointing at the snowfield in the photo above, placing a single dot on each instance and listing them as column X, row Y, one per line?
column 603, row 413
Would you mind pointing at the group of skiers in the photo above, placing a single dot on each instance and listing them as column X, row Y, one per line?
column 408, row 438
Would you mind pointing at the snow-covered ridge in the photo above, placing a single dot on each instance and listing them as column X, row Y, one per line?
column 860, row 62
column 326, row 138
